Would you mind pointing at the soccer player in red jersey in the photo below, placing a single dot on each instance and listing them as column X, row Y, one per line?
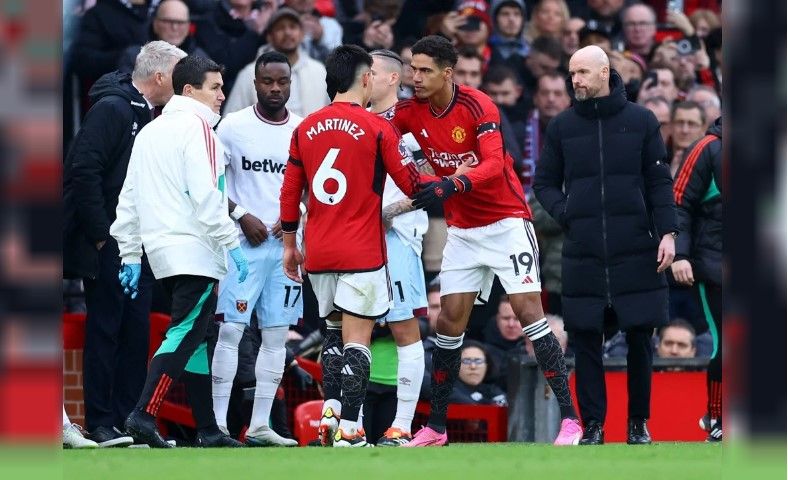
column 343, row 153
column 490, row 232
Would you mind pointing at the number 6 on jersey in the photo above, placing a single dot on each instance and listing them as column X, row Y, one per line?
column 325, row 173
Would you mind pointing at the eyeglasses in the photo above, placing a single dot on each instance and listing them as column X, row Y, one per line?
column 637, row 24
column 172, row 22
column 473, row 361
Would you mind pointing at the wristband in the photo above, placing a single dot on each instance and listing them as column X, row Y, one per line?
column 238, row 212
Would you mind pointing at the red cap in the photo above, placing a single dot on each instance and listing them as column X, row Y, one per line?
column 475, row 9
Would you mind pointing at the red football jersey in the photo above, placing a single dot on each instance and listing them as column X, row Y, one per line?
column 469, row 128
column 343, row 153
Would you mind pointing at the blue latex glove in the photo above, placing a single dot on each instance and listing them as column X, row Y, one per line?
column 241, row 264
column 129, row 277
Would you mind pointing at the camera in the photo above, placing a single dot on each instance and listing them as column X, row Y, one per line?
column 685, row 47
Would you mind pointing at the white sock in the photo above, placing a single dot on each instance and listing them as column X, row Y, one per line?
column 410, row 373
column 66, row 421
column 268, row 371
column 224, row 367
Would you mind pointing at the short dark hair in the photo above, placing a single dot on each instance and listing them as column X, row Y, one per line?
column 689, row 105
column 497, row 74
column 270, row 57
column 342, row 66
column 438, row 48
column 678, row 323
column 191, row 70
column 549, row 46
column 557, row 75
column 470, row 52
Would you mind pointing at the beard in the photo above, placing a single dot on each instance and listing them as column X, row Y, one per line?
column 586, row 93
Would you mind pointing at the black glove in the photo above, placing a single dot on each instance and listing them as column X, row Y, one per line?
column 432, row 192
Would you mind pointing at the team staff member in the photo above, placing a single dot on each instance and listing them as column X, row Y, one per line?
column 602, row 176
column 116, row 330
column 174, row 204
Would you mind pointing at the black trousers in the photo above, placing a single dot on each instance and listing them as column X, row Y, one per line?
column 380, row 408
column 590, row 374
column 117, row 329
column 184, row 348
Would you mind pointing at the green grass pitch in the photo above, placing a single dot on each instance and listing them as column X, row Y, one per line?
column 673, row 461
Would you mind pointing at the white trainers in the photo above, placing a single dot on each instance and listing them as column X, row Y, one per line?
column 329, row 423
column 265, row 437
column 73, row 438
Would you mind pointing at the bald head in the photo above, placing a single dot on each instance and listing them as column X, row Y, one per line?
column 589, row 68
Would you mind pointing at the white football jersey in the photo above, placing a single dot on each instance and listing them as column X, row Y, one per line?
column 256, row 154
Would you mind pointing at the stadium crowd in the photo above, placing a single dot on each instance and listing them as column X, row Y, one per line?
column 668, row 58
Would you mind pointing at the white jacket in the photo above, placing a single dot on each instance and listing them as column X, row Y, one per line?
column 307, row 87
column 173, row 200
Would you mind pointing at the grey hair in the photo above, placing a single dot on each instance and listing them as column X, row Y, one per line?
column 705, row 88
column 155, row 57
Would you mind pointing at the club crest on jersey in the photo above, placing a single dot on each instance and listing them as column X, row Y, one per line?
column 241, row 305
column 458, row 134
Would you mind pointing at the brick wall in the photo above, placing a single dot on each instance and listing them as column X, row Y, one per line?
column 72, row 386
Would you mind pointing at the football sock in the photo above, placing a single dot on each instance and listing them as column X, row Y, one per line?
column 445, row 369
column 332, row 361
column 223, row 368
column 355, row 376
column 268, row 371
column 410, row 373
column 550, row 358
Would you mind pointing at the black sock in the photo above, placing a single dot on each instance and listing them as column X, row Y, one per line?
column 198, row 392
column 332, row 361
column 355, row 376
column 550, row 358
column 445, row 370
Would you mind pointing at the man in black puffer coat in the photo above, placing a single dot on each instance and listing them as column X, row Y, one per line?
column 116, row 329
column 602, row 176
column 698, row 196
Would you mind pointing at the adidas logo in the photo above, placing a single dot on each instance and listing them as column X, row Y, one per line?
column 347, row 371
column 527, row 279
column 332, row 351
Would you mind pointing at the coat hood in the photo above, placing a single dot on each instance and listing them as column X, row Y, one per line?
column 600, row 107
column 116, row 83
column 715, row 128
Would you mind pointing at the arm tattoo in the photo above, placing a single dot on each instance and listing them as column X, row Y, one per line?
column 397, row 208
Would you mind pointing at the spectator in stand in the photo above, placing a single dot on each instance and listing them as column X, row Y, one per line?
column 545, row 57
column 474, row 383
column 688, row 122
column 707, row 98
column 468, row 70
column 503, row 336
column 105, row 31
column 594, row 36
column 285, row 33
column 321, row 34
column 640, row 27
column 713, row 43
column 509, row 22
column 473, row 29
column 116, row 330
column 372, row 29
column 171, row 24
column 231, row 34
column 704, row 21
column 661, row 109
column 604, row 15
column 503, row 87
column 676, row 340
column 631, row 67
column 405, row 53
column 549, row 100
column 547, row 20
column 570, row 36
column 664, row 87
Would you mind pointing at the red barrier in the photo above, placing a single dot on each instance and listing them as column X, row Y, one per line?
column 678, row 400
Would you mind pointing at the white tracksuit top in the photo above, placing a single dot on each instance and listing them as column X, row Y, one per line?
column 174, row 200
